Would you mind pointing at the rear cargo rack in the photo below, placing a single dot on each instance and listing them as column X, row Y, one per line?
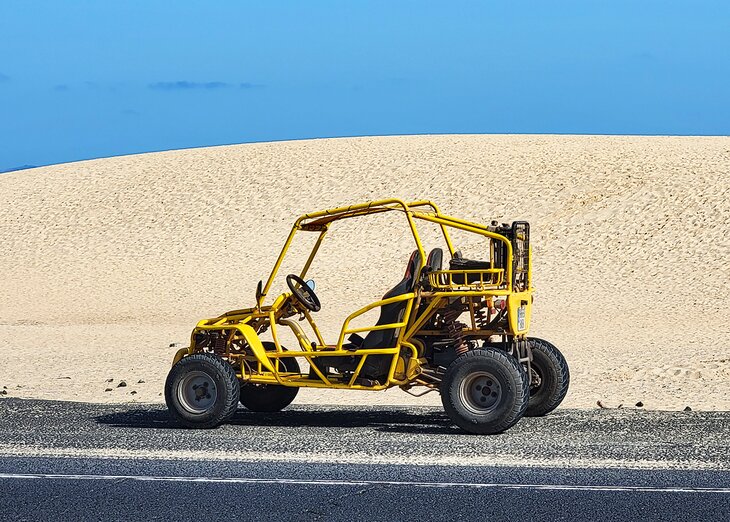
column 466, row 279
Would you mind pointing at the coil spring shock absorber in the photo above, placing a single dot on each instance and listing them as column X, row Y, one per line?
column 455, row 331
column 220, row 343
column 481, row 320
column 483, row 314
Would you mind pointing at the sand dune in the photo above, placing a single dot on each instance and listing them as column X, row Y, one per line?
column 105, row 262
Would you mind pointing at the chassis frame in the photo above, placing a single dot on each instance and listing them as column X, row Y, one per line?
column 497, row 301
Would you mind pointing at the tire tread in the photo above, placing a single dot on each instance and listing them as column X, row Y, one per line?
column 231, row 392
column 561, row 365
column 522, row 392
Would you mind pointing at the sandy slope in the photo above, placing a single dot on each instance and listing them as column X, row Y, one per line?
column 105, row 262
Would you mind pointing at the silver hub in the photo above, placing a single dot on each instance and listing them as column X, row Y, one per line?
column 196, row 392
column 480, row 392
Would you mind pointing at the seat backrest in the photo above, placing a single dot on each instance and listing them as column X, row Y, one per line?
column 390, row 313
column 435, row 260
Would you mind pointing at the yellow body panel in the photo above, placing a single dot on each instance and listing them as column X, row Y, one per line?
column 515, row 302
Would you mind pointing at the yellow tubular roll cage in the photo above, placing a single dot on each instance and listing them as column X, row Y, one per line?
column 256, row 364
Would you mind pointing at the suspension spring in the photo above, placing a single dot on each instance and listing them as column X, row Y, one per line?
column 481, row 319
column 220, row 342
column 455, row 331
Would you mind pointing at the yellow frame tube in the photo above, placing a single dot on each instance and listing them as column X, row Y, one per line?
column 371, row 207
column 345, row 326
column 278, row 263
column 476, row 229
column 248, row 321
column 304, row 271
column 444, row 231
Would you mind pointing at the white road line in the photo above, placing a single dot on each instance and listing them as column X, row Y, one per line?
column 13, row 450
column 360, row 483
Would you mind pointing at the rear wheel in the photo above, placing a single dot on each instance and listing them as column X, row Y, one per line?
column 550, row 378
column 201, row 391
column 271, row 397
column 485, row 391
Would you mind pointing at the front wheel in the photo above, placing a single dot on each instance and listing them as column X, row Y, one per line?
column 202, row 391
column 550, row 378
column 485, row 391
column 271, row 397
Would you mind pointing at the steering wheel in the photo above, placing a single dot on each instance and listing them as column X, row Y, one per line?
column 303, row 293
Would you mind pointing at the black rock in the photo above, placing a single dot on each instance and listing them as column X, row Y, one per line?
column 108, row 389
column 688, row 409
column 639, row 404
column 121, row 384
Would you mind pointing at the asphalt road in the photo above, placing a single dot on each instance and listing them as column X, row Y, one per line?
column 71, row 461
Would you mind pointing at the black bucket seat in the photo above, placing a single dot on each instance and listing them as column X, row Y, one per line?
column 392, row 313
column 376, row 366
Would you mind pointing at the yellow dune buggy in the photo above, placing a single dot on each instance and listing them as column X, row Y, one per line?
column 459, row 329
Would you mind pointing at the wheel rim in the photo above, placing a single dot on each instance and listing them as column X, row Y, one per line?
column 196, row 392
column 535, row 380
column 480, row 392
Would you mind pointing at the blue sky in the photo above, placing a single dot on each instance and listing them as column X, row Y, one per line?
column 84, row 79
